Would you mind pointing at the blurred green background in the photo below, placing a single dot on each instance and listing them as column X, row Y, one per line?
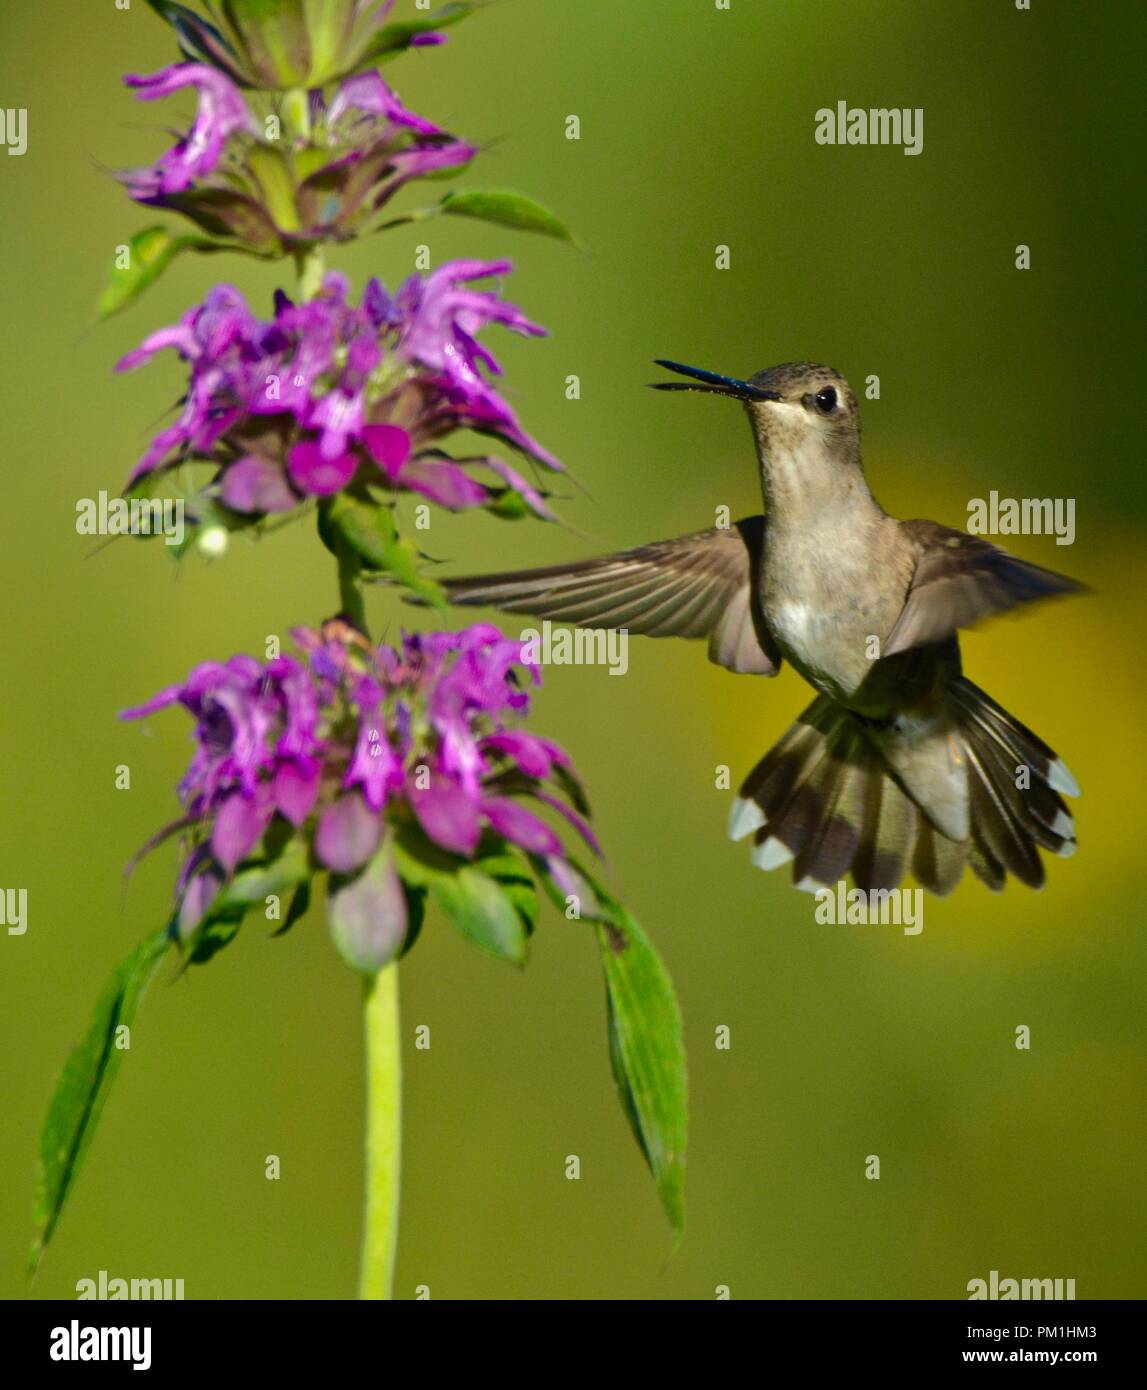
column 696, row 131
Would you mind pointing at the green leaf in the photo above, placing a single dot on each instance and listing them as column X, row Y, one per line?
column 286, row 867
column 150, row 252
column 508, row 503
column 198, row 39
column 477, row 904
column 402, row 561
column 483, row 912
column 419, row 859
column 647, row 1052
column 416, row 915
column 299, row 904
column 393, row 38
column 507, row 210
column 512, row 872
column 253, row 883
column 368, row 528
column 83, row 1087
column 218, row 929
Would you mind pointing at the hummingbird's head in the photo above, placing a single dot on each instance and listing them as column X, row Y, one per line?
column 804, row 417
column 801, row 399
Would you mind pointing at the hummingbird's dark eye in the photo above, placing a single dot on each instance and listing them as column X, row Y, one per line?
column 826, row 400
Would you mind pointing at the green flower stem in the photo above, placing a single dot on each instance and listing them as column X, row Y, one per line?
column 350, row 592
column 296, row 113
column 383, row 1133
column 311, row 268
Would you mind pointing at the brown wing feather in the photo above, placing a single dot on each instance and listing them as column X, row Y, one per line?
column 960, row 579
column 693, row 586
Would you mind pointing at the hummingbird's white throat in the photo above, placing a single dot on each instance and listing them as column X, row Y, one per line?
column 808, row 465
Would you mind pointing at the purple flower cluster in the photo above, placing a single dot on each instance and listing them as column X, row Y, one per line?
column 327, row 393
column 354, row 738
column 291, row 191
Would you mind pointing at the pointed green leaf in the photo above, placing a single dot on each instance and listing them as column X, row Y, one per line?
column 508, row 503
column 647, row 1052
column 299, row 904
column 218, row 929
column 83, row 1087
column 512, row 872
column 479, row 908
column 476, row 903
column 368, row 528
column 253, row 883
column 401, row 561
column 507, row 210
column 199, row 40
column 285, row 866
column 150, row 252
column 415, row 915
column 393, row 38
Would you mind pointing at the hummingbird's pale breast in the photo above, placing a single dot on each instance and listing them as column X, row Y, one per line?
column 828, row 607
column 835, row 572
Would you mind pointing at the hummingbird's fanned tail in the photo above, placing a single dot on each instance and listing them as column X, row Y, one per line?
column 838, row 795
column 1015, row 781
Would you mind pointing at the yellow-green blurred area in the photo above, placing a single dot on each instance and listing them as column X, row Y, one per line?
column 696, row 131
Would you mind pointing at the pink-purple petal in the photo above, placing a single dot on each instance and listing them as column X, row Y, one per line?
column 296, row 787
column 388, row 446
column 239, row 825
column 445, row 483
column 254, row 485
column 222, row 113
column 536, row 756
column 349, row 833
column 579, row 824
column 312, row 473
column 448, row 815
column 198, row 895
column 514, row 822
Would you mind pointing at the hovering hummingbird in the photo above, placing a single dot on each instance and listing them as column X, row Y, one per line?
column 900, row 764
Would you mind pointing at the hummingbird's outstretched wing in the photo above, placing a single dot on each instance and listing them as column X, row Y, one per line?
column 695, row 586
column 960, row 579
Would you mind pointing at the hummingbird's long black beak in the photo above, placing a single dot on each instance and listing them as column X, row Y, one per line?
column 719, row 385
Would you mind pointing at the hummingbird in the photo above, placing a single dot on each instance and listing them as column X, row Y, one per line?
column 900, row 764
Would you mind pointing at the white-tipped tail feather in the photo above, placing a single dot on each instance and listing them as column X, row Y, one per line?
column 745, row 818
column 830, row 796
